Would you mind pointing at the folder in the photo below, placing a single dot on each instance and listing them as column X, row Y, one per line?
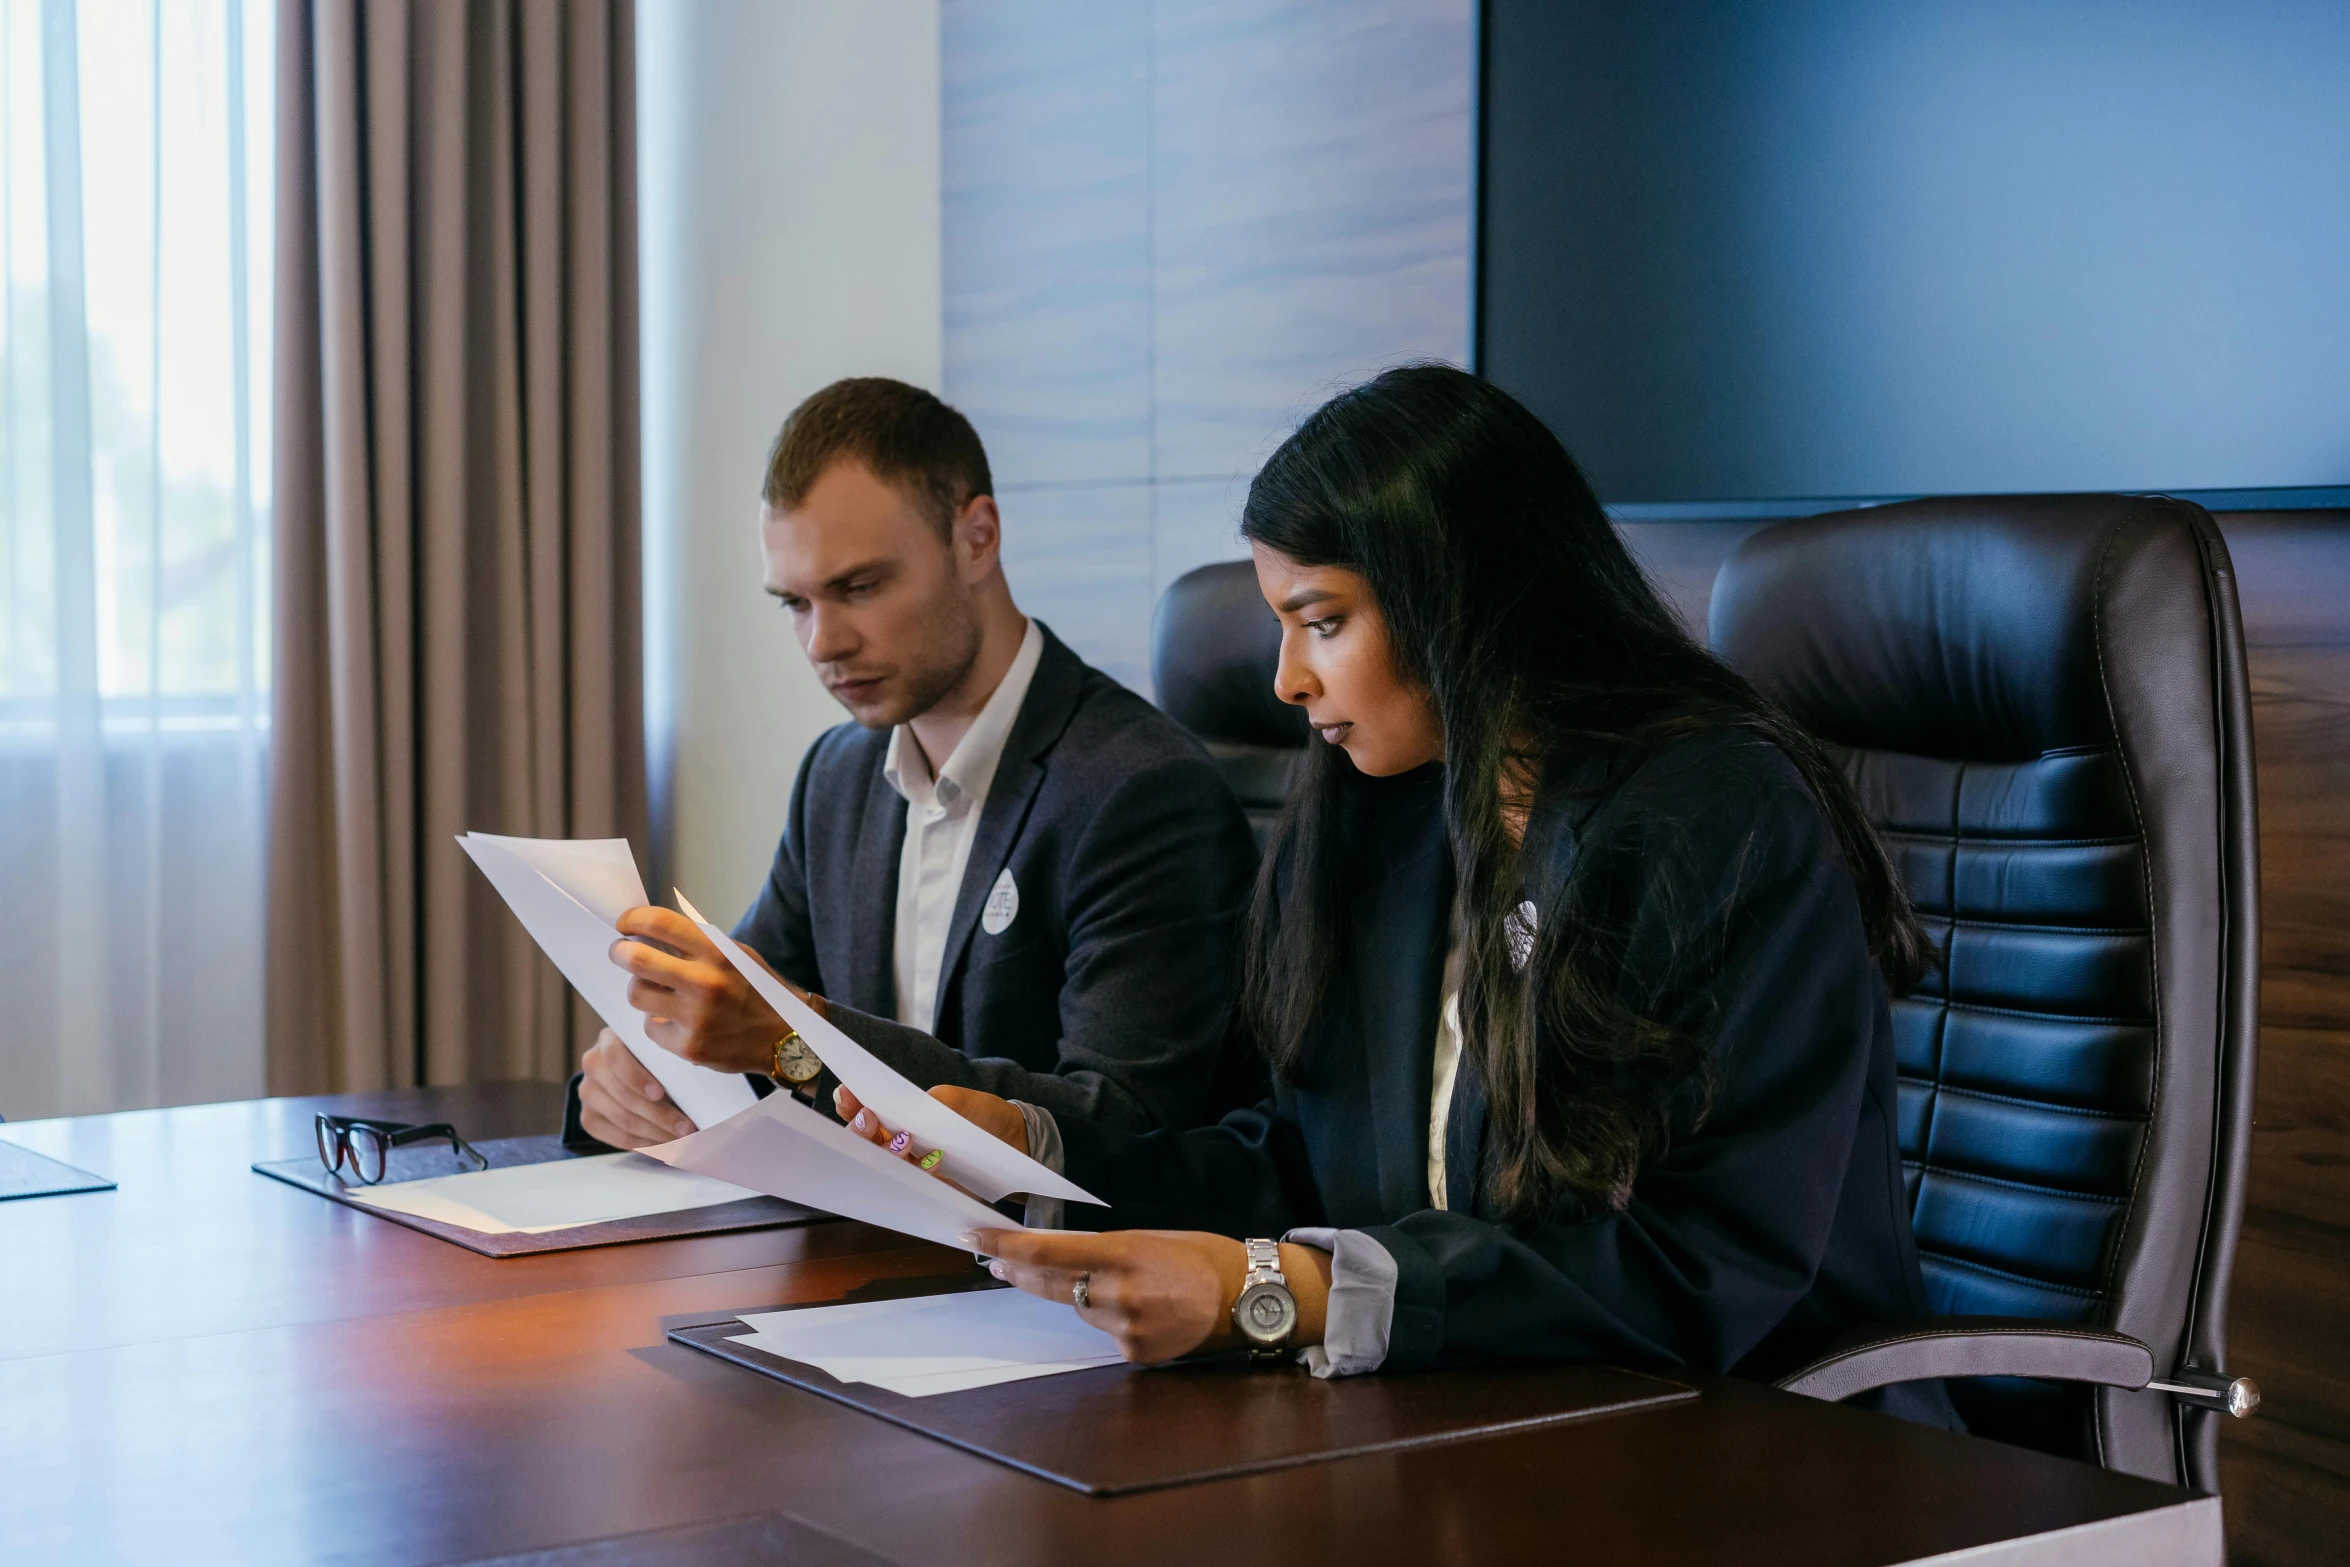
column 750, row 1213
column 1115, row 1429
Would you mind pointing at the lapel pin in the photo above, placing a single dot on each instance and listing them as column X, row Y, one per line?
column 1003, row 904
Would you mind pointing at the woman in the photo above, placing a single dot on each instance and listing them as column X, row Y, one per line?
column 1570, row 962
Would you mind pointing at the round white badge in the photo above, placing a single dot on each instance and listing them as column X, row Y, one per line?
column 1003, row 904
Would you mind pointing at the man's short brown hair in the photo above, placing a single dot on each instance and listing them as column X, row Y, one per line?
column 904, row 434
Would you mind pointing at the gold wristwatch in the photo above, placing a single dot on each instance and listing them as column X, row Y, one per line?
column 795, row 1065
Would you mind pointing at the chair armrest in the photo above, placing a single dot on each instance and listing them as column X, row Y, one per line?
column 1879, row 1356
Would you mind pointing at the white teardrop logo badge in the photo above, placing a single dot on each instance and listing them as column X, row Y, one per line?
column 1003, row 904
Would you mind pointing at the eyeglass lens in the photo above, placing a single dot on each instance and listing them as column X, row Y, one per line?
column 370, row 1150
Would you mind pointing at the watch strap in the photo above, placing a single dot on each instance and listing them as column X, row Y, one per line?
column 1264, row 1268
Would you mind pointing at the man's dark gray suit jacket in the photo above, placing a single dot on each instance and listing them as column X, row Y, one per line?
column 1107, row 997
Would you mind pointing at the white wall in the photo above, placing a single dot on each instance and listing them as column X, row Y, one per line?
column 789, row 227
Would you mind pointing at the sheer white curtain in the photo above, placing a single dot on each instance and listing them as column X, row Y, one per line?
column 135, row 177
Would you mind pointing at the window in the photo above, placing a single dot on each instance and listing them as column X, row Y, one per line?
column 136, row 161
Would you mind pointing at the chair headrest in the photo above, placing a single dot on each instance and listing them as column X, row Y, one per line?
column 1214, row 644
column 1962, row 627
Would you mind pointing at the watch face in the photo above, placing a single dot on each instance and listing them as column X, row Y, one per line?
column 1266, row 1313
column 799, row 1063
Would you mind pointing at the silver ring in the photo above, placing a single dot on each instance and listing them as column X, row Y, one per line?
column 1080, row 1292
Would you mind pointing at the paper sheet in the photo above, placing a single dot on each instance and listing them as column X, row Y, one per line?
column 974, row 1159
column 567, row 894
column 782, row 1147
column 957, row 1381
column 935, row 1343
column 561, row 1194
column 947, row 1381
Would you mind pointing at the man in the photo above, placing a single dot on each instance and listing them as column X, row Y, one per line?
column 1006, row 849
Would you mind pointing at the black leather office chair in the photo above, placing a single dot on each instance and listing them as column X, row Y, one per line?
column 1213, row 648
column 2042, row 700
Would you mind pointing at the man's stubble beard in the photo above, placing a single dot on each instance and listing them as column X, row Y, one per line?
column 928, row 682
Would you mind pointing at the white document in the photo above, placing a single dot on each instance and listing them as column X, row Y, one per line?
column 782, row 1147
column 957, row 1381
column 924, row 1386
column 974, row 1159
column 935, row 1343
column 561, row 1194
column 567, row 893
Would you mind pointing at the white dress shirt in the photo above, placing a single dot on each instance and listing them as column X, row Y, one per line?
column 1518, row 928
column 942, row 817
column 1448, row 1066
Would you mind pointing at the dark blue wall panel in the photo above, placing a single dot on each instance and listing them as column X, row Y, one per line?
column 1817, row 248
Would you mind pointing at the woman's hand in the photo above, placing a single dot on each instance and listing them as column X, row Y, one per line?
column 999, row 1118
column 1161, row 1294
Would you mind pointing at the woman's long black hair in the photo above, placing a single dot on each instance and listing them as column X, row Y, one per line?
column 1509, row 598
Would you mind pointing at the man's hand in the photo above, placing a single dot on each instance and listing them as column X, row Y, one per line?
column 621, row 1103
column 694, row 1002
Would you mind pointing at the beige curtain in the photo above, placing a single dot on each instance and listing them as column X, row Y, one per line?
column 456, row 634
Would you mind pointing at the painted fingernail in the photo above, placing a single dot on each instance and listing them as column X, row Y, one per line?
column 930, row 1159
column 996, row 1268
column 861, row 1122
column 901, row 1142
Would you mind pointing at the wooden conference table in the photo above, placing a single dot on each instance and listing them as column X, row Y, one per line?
column 207, row 1365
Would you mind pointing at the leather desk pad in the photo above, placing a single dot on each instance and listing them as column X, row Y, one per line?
column 416, row 1164
column 1115, row 1429
column 24, row 1173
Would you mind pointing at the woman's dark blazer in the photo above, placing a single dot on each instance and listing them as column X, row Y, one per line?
column 1777, row 1221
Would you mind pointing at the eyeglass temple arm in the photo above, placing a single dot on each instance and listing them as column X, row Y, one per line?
column 435, row 1131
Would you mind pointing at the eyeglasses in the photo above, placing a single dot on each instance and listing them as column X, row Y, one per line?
column 364, row 1147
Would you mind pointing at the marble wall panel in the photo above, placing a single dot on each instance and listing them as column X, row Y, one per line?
column 1079, row 558
column 1045, row 229
column 1193, row 522
column 1170, row 229
column 1311, row 198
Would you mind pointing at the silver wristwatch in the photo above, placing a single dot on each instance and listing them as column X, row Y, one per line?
column 1266, row 1312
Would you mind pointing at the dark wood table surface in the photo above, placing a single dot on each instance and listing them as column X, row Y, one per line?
column 207, row 1365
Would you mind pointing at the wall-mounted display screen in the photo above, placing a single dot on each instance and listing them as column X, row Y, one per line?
column 1840, row 248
